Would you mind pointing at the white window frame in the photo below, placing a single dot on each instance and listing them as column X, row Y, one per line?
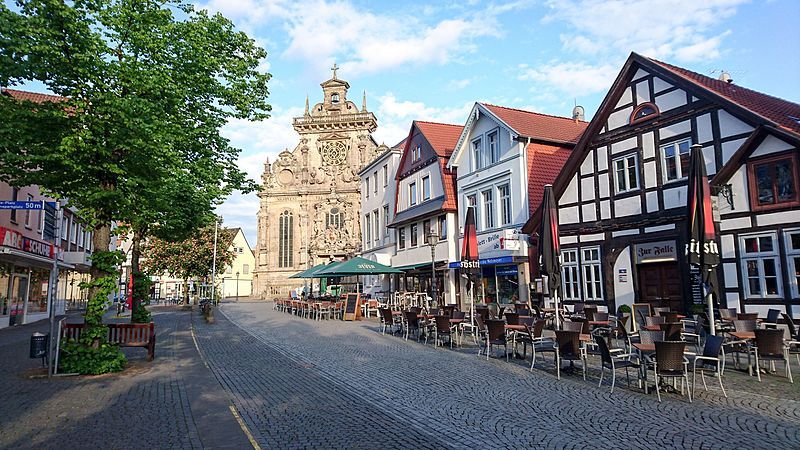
column 505, row 204
column 245, row 269
column 591, row 274
column 385, row 220
column 367, row 230
column 376, row 228
column 401, row 238
column 493, row 147
column 426, row 187
column 65, row 228
column 570, row 274
column 477, row 153
column 471, row 200
column 663, row 156
column 487, row 197
column 412, row 194
column 441, row 223
column 413, row 236
column 375, row 183
column 759, row 257
column 793, row 266
column 366, row 187
column 627, row 167
column 416, row 153
column 385, row 175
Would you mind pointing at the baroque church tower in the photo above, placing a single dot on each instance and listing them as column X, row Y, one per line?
column 311, row 196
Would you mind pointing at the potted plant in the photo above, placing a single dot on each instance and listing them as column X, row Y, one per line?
column 625, row 311
column 696, row 309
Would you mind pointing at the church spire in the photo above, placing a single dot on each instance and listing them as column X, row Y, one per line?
column 364, row 102
column 306, row 113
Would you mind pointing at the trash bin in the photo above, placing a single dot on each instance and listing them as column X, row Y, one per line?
column 39, row 346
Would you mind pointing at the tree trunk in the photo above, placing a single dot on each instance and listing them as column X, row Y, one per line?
column 95, row 307
column 185, row 291
column 136, row 250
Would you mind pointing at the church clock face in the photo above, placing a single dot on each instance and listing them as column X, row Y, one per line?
column 334, row 153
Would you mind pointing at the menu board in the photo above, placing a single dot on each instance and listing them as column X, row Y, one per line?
column 697, row 284
column 352, row 307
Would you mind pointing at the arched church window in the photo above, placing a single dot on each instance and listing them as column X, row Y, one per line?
column 334, row 219
column 286, row 239
column 645, row 111
column 335, row 98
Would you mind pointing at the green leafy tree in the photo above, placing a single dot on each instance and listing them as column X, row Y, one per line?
column 191, row 258
column 146, row 87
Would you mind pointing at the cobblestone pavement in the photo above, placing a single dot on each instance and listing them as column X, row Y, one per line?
column 302, row 383
column 167, row 403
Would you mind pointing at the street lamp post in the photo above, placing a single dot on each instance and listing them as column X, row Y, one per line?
column 237, row 286
column 433, row 239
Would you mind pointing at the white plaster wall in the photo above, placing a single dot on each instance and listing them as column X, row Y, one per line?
column 652, row 201
column 735, row 224
column 670, row 226
column 619, row 118
column 710, row 158
column 591, row 237
column 650, row 179
column 660, row 85
column 770, row 145
column 589, row 212
column 640, row 73
column 568, row 215
column 704, row 131
column 570, row 194
column 675, row 197
column 627, row 206
column 731, row 275
column 624, row 293
column 732, row 299
column 605, row 210
column 385, row 195
column 602, row 158
column 675, row 129
column 642, row 92
column 630, row 232
column 587, row 189
column 778, row 218
column 625, row 98
column 621, row 146
column 729, row 148
column 729, row 125
column 728, row 247
column 603, row 188
column 587, row 166
column 671, row 100
column 564, row 240
column 648, row 145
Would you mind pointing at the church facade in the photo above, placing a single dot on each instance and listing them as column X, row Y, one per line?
column 310, row 197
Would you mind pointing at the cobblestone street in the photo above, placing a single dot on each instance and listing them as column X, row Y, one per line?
column 302, row 383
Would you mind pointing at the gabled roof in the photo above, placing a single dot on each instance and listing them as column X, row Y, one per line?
column 782, row 113
column 32, row 96
column 545, row 163
column 539, row 126
column 441, row 136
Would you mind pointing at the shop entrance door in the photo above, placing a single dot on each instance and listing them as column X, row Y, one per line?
column 19, row 296
column 660, row 285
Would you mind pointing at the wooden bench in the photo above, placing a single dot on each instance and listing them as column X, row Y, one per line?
column 124, row 334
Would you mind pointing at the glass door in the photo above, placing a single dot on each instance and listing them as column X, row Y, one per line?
column 18, row 296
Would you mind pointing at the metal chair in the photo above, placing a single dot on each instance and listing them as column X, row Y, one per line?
column 772, row 318
column 672, row 331
column 411, row 322
column 568, row 347
column 614, row 362
column 443, row 329
column 794, row 338
column 710, row 360
column 539, row 344
column 670, row 363
column 496, row 335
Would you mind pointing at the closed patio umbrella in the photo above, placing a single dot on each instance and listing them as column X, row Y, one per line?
column 470, row 265
column 702, row 249
column 550, row 249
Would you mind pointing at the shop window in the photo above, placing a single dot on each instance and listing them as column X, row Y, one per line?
column 792, row 239
column 507, row 284
column 592, row 281
column 675, row 160
column 570, row 276
column 5, row 279
column 773, row 182
column 37, row 298
column 414, row 232
column 626, row 174
column 760, row 265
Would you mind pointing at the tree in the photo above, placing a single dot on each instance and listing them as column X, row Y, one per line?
column 146, row 87
column 191, row 258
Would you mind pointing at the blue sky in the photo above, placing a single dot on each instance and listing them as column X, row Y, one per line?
column 433, row 60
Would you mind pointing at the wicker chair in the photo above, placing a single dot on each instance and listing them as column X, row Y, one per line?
column 747, row 316
column 512, row 318
column 696, row 331
column 388, row 320
column 744, row 325
column 794, row 338
column 650, row 337
column 772, row 318
column 496, row 335
column 481, row 333
column 727, row 313
column 654, row 320
column 769, row 346
column 589, row 312
column 568, row 347
column 539, row 344
column 670, row 363
column 710, row 360
column 573, row 325
column 523, row 311
column 614, row 362
column 672, row 331
column 670, row 317
column 443, row 328
column 411, row 322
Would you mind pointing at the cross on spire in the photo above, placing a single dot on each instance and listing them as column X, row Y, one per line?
column 334, row 69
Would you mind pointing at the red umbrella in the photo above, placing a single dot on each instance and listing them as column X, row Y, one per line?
column 702, row 249
column 549, row 247
column 470, row 264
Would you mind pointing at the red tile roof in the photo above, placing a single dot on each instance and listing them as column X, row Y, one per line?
column 544, row 165
column 449, row 184
column 442, row 136
column 782, row 112
column 32, row 96
column 540, row 126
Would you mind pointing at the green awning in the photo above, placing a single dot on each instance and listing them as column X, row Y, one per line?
column 415, row 266
column 308, row 272
column 357, row 266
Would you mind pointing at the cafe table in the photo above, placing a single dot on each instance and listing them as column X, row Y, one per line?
column 743, row 335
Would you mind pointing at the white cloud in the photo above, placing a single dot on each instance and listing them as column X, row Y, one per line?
column 396, row 116
column 663, row 29
column 240, row 210
column 574, row 79
column 457, row 85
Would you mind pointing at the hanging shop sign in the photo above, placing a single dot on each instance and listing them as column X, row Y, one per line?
column 14, row 239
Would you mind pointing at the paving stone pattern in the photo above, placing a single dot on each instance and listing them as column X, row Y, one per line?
column 303, row 383
column 145, row 407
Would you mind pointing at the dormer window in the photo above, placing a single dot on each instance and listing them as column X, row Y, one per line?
column 335, row 98
column 416, row 153
column 645, row 111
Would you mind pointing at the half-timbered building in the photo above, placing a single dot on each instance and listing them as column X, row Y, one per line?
column 622, row 194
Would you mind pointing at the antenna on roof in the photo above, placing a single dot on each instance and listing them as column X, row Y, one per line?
column 726, row 77
column 577, row 112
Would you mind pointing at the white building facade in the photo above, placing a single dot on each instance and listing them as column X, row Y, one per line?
column 378, row 190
